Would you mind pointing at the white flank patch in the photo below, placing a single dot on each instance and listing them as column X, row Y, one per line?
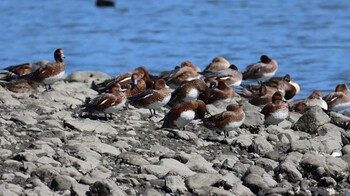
column 192, row 94
column 340, row 106
column 125, row 79
column 267, row 76
column 115, row 108
column 52, row 79
column 233, row 125
column 276, row 117
column 185, row 118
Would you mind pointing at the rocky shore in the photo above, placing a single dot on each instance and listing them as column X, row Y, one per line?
column 44, row 150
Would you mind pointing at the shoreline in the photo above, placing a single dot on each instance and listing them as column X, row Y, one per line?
column 44, row 150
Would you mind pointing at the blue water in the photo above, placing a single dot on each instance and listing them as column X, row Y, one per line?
column 309, row 39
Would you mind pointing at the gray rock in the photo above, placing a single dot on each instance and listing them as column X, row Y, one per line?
column 97, row 174
column 311, row 120
column 240, row 169
column 346, row 149
column 133, row 159
column 152, row 192
column 106, row 187
column 8, row 189
column 336, row 167
column 198, row 164
column 293, row 117
column 253, row 119
column 175, row 184
column 244, row 141
column 267, row 164
column 160, row 150
column 290, row 170
column 61, row 183
column 261, row 145
column 312, row 160
column 7, row 99
column 255, row 182
column 4, row 153
column 240, row 189
column 157, row 170
column 87, row 76
column 306, row 145
column 203, row 180
column 87, row 125
column 203, row 191
column 247, row 107
column 330, row 137
column 185, row 135
column 45, row 173
column 177, row 168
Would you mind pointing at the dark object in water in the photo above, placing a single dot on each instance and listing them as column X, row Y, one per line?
column 105, row 3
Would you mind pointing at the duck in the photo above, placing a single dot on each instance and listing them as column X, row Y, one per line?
column 188, row 90
column 314, row 99
column 338, row 100
column 20, row 86
column 133, row 85
column 152, row 99
column 49, row 73
column 187, row 71
column 262, row 70
column 285, row 83
column 105, row 3
column 183, row 113
column 276, row 111
column 221, row 94
column 106, row 103
column 260, row 95
column 231, row 76
column 226, row 121
column 14, row 71
column 217, row 64
column 125, row 79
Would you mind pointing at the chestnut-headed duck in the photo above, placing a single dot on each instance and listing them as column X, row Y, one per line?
column 183, row 113
column 152, row 99
column 226, row 121
column 107, row 103
column 338, row 100
column 262, row 70
column 276, row 111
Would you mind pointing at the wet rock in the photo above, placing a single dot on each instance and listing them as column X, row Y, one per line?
column 175, row 184
column 311, row 120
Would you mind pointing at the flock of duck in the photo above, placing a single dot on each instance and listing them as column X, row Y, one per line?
column 186, row 90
